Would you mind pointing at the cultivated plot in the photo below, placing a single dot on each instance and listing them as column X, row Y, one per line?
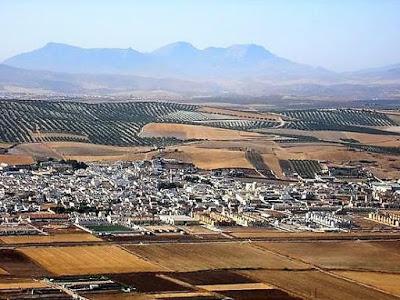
column 192, row 257
column 20, row 283
column 184, row 131
column 56, row 238
column 349, row 255
column 384, row 281
column 312, row 284
column 87, row 260
column 18, row 264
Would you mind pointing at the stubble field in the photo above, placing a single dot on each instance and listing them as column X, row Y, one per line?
column 384, row 281
column 87, row 260
column 352, row 255
column 193, row 257
column 184, row 132
column 208, row 158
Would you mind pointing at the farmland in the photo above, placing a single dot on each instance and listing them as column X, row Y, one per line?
column 257, row 161
column 20, row 284
column 312, row 284
column 339, row 136
column 232, row 154
column 183, row 132
column 304, row 168
column 56, row 238
column 87, row 260
column 149, row 282
column 17, row 264
column 313, row 119
column 236, row 287
column 384, row 281
column 242, row 270
column 213, row 277
column 121, row 123
column 240, row 124
column 210, row 158
column 106, row 123
column 252, row 115
column 209, row 137
column 263, row 233
column 193, row 257
column 107, row 228
column 16, row 159
column 258, row 294
column 78, row 151
column 3, row 272
column 367, row 256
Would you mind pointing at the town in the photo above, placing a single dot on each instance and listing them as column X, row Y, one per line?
column 147, row 198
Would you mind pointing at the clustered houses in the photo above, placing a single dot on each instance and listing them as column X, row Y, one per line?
column 124, row 197
column 329, row 220
column 386, row 217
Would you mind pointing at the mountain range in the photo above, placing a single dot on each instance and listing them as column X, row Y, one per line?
column 177, row 60
column 180, row 68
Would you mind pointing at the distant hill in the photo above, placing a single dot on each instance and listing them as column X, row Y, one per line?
column 177, row 60
column 46, row 82
column 67, row 83
column 391, row 72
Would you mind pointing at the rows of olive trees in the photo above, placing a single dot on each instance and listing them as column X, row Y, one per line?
column 338, row 120
column 106, row 123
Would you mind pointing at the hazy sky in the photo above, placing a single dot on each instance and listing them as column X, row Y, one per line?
column 337, row 34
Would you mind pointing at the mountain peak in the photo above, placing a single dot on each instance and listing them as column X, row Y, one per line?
column 249, row 51
column 58, row 45
column 178, row 48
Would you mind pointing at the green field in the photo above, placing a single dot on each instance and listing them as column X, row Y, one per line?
column 108, row 228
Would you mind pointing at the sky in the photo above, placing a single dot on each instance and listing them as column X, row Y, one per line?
column 340, row 35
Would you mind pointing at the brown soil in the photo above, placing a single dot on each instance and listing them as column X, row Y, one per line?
column 340, row 136
column 316, row 285
column 12, row 160
column 56, row 238
column 148, row 282
column 118, row 296
column 18, row 264
column 212, row 277
column 81, row 151
column 387, row 282
column 195, row 257
column 206, row 158
column 268, row 294
column 80, row 260
column 184, row 132
column 352, row 255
